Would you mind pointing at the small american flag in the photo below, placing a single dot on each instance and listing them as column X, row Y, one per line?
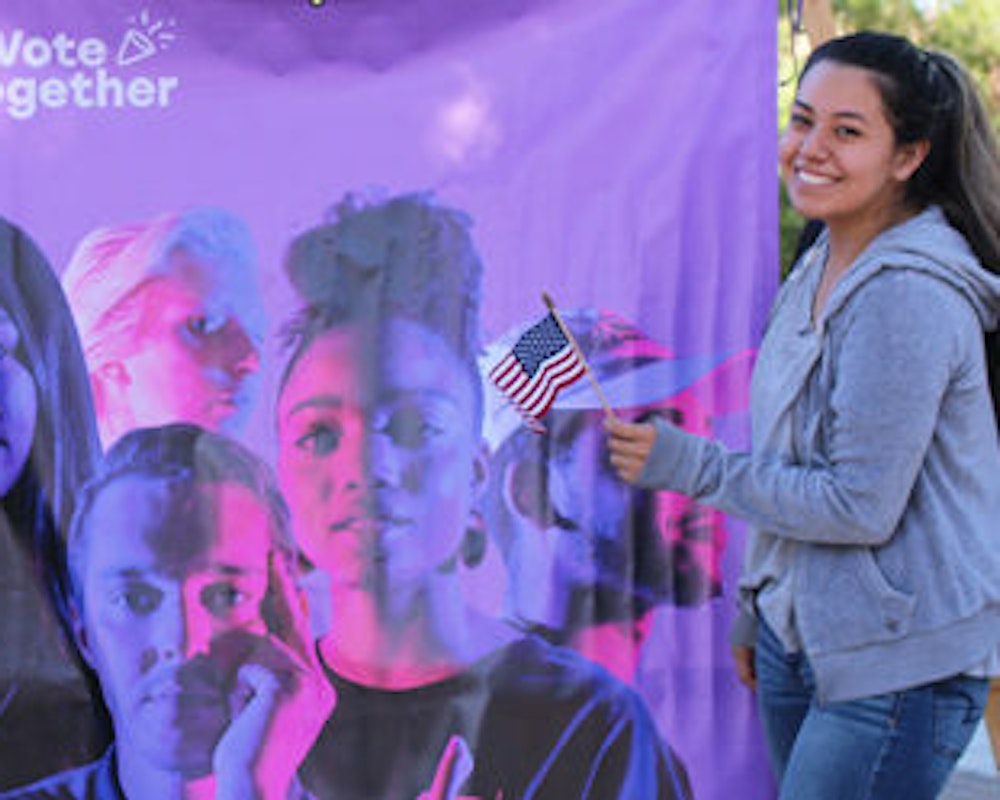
column 541, row 363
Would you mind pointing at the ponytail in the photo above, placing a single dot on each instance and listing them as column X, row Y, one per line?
column 973, row 204
column 967, row 183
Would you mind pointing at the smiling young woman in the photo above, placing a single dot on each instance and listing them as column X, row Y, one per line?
column 871, row 592
column 841, row 163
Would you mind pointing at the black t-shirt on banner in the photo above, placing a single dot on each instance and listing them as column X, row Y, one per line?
column 95, row 781
column 542, row 722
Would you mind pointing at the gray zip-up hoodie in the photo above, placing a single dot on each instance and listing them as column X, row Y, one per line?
column 873, row 485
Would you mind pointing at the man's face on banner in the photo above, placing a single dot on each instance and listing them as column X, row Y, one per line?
column 377, row 452
column 171, row 578
column 583, row 528
column 197, row 347
column 592, row 510
column 570, row 523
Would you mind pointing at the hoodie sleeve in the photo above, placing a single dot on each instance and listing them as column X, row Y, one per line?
column 903, row 342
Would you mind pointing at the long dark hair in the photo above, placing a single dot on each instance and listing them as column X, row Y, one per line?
column 54, row 717
column 65, row 449
column 928, row 96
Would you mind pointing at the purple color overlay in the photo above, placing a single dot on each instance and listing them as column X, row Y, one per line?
column 619, row 155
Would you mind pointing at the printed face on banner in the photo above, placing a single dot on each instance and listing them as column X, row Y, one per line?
column 198, row 357
column 377, row 452
column 590, row 506
column 570, row 525
column 581, row 547
column 695, row 534
column 18, row 406
column 174, row 591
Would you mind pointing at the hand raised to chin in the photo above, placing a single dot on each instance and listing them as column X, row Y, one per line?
column 280, row 701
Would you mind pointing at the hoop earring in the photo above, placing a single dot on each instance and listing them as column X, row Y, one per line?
column 472, row 551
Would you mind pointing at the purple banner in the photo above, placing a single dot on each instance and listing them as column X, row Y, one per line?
column 618, row 156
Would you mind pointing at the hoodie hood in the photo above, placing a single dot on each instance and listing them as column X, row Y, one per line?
column 928, row 243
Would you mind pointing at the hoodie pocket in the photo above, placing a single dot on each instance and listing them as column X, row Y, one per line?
column 846, row 601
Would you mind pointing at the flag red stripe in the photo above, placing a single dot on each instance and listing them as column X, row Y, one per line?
column 501, row 372
column 555, row 366
column 543, row 401
column 554, row 375
column 542, row 374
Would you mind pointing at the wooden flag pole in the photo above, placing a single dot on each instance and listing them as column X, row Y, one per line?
column 608, row 411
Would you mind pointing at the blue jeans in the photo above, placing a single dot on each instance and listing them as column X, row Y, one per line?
column 896, row 746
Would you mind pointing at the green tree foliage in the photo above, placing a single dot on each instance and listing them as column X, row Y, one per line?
column 970, row 30
column 898, row 16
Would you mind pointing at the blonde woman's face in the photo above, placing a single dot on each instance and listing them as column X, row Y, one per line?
column 198, row 353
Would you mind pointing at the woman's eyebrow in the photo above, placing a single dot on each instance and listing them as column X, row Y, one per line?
column 316, row 401
column 846, row 114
